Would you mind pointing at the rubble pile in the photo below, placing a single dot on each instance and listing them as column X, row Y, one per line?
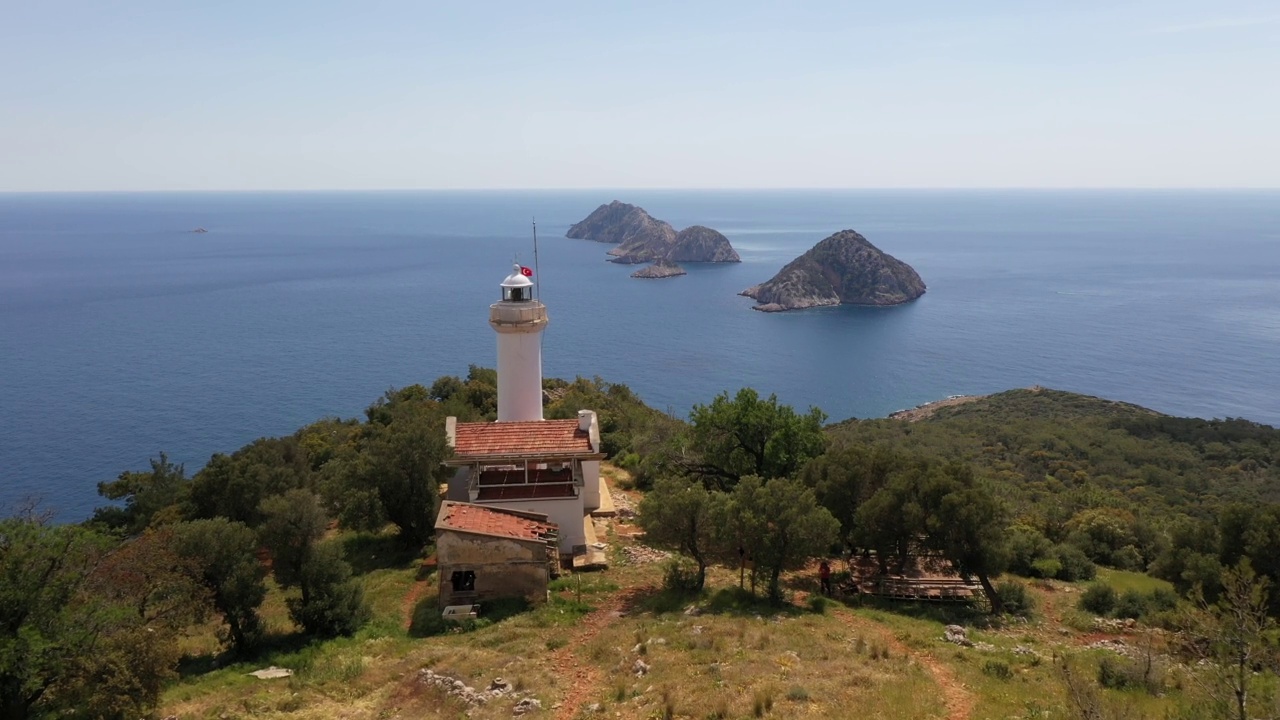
column 643, row 555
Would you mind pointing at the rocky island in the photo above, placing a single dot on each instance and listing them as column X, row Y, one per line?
column 660, row 269
column 642, row 238
column 844, row 269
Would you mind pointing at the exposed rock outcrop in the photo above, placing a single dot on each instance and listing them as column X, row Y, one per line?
column 642, row 238
column 844, row 269
column 660, row 269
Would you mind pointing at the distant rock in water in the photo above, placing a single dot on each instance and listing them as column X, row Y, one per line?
column 660, row 269
column 697, row 243
column 619, row 222
column 844, row 269
column 642, row 238
column 199, row 230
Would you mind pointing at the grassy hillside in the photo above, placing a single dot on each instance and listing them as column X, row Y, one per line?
column 614, row 644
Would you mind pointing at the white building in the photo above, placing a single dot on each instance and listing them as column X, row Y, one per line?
column 522, row 462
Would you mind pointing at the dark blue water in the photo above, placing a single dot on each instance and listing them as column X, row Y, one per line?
column 123, row 334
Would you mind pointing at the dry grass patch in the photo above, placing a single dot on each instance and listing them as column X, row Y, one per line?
column 784, row 663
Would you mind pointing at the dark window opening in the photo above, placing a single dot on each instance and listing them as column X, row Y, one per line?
column 463, row 580
column 516, row 294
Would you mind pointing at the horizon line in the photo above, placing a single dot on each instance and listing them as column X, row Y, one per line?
column 899, row 188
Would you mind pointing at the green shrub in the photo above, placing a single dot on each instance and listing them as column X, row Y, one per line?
column 997, row 669
column 1131, row 604
column 1099, row 599
column 680, row 575
column 1016, row 599
column 818, row 604
column 1047, row 567
column 797, row 694
column 1162, row 599
column 1075, row 564
column 1117, row 673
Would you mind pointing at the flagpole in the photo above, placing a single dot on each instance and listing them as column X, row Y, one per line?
column 537, row 274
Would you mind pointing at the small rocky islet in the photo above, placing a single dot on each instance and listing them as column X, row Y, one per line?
column 642, row 238
column 660, row 269
column 844, row 269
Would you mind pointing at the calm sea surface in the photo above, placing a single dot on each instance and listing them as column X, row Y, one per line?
column 123, row 334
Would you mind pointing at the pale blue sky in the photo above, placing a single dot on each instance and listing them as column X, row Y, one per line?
column 172, row 95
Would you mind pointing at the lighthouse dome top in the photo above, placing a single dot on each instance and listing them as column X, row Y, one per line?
column 517, row 287
column 517, row 278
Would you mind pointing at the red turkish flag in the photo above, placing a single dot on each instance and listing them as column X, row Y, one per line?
column 527, row 272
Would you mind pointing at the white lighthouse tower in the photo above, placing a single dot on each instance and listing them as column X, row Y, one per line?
column 519, row 321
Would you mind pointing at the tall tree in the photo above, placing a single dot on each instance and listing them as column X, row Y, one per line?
column 333, row 602
column 292, row 524
column 779, row 523
column 1234, row 635
column 677, row 514
column 891, row 521
column 747, row 435
column 224, row 559
column 968, row 525
column 149, row 497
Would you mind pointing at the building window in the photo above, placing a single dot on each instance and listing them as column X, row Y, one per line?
column 516, row 294
column 463, row 580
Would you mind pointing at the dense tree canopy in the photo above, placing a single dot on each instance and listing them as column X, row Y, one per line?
column 234, row 486
column 747, row 435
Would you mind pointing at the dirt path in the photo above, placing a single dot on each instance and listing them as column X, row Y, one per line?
column 586, row 679
column 957, row 699
column 411, row 599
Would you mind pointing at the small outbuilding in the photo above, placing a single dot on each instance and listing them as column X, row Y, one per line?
column 486, row 553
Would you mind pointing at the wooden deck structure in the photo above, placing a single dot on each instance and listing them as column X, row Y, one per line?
column 923, row 578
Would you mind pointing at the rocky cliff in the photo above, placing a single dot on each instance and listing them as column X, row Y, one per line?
column 642, row 238
column 844, row 269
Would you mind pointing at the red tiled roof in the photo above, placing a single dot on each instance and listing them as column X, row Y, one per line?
column 530, row 437
column 465, row 517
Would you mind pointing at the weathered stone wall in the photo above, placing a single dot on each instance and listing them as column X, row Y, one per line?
column 504, row 567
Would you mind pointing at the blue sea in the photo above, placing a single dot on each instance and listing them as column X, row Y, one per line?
column 123, row 334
